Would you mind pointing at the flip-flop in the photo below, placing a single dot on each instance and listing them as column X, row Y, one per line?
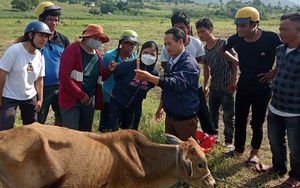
column 230, row 154
column 264, row 168
column 290, row 182
column 252, row 160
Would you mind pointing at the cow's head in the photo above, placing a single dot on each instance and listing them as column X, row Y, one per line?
column 191, row 162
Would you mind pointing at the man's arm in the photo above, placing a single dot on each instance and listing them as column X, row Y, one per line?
column 199, row 59
column 2, row 82
column 232, row 84
column 39, row 85
column 159, row 112
column 146, row 76
column 227, row 55
column 206, row 75
column 267, row 77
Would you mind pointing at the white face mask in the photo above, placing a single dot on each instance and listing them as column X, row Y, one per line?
column 148, row 59
column 94, row 44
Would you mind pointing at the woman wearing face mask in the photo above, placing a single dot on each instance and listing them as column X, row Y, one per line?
column 81, row 74
column 125, row 107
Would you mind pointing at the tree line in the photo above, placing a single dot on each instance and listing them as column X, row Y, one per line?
column 135, row 7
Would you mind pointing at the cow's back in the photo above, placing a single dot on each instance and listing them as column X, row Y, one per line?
column 39, row 154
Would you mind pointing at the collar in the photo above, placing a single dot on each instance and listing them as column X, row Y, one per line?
column 297, row 48
column 173, row 61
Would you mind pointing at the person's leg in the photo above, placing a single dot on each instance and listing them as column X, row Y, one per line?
column 8, row 112
column 204, row 116
column 293, row 135
column 104, row 118
column 276, row 135
column 260, row 103
column 86, row 117
column 137, row 117
column 228, row 116
column 169, row 127
column 27, row 109
column 132, row 117
column 56, row 108
column 186, row 129
column 115, row 115
column 214, row 106
column 70, row 118
column 47, row 100
column 242, row 106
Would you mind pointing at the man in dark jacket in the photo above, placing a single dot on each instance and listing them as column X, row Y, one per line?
column 179, row 85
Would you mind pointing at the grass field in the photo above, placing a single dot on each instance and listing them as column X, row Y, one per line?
column 229, row 172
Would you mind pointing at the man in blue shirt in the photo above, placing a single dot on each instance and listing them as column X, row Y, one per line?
column 49, row 13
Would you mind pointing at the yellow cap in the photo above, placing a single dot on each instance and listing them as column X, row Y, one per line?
column 245, row 15
column 45, row 6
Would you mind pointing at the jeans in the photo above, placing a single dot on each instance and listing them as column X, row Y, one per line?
column 123, row 117
column 78, row 117
column 258, row 100
column 278, row 128
column 216, row 99
column 204, row 116
column 50, row 98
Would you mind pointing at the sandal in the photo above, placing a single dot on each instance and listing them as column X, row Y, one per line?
column 290, row 182
column 264, row 168
column 252, row 160
column 230, row 154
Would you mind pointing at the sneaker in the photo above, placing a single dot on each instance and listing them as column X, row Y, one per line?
column 217, row 139
column 229, row 146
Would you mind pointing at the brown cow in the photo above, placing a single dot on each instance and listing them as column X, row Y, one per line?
column 50, row 156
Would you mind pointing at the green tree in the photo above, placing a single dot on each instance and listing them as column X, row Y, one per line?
column 256, row 3
column 94, row 11
column 108, row 6
column 24, row 5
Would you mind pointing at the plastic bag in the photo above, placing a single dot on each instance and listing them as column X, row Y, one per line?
column 206, row 141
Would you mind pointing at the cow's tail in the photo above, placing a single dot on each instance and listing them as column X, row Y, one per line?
column 57, row 183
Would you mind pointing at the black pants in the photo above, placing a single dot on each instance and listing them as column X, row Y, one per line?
column 8, row 112
column 258, row 100
column 204, row 116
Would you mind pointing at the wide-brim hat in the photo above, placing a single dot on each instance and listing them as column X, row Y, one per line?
column 94, row 30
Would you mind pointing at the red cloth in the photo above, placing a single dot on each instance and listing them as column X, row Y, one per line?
column 70, row 89
column 206, row 141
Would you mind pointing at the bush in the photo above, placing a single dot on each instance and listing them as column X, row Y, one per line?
column 24, row 5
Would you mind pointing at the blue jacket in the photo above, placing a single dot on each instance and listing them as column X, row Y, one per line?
column 179, row 88
column 129, row 91
column 110, row 82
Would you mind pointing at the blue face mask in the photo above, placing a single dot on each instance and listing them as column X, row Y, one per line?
column 94, row 44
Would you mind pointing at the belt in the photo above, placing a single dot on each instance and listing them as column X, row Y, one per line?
column 182, row 118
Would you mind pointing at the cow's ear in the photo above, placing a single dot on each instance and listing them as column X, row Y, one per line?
column 187, row 164
column 171, row 139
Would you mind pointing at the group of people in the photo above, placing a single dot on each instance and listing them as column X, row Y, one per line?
column 43, row 69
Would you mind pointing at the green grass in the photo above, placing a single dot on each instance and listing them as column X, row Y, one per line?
column 232, row 172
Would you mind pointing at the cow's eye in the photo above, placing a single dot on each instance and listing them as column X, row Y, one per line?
column 201, row 165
